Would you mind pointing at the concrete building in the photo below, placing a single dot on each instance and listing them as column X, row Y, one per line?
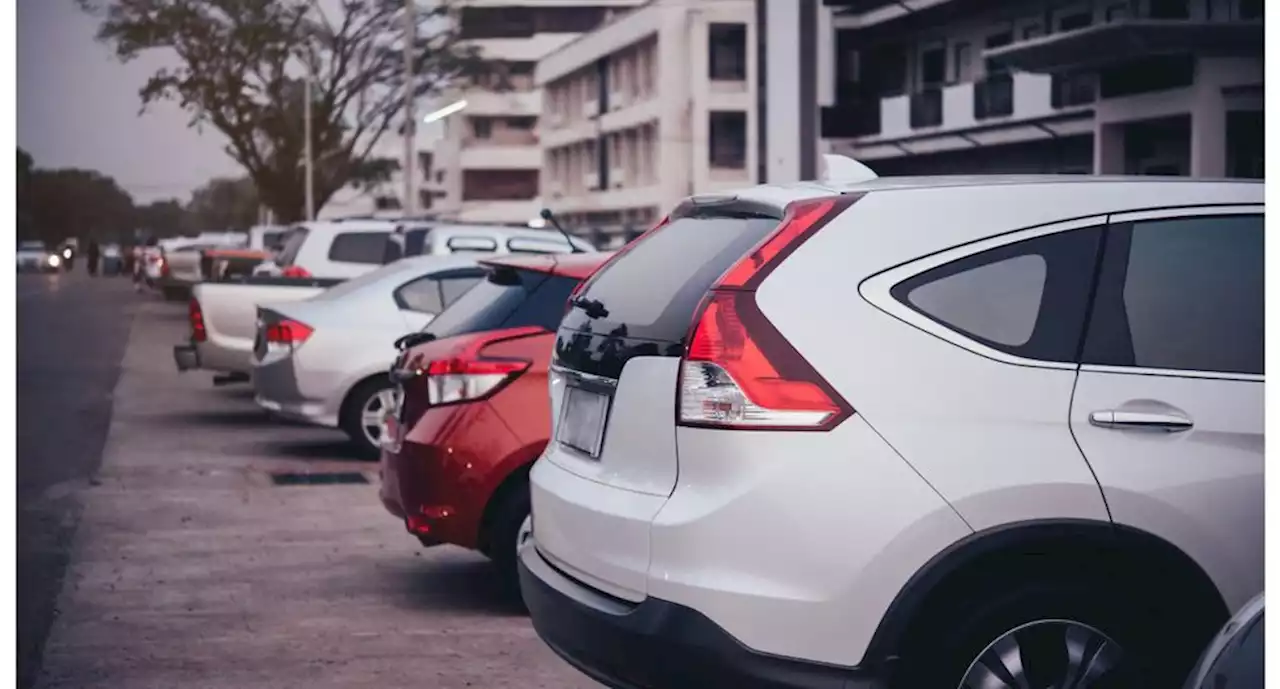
column 386, row 198
column 646, row 110
column 488, row 160
column 1083, row 86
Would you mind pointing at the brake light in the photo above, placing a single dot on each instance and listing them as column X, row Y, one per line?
column 196, row 316
column 288, row 332
column 738, row 370
column 164, row 267
column 295, row 272
column 468, row 376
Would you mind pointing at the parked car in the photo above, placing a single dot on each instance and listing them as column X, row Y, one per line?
column 228, row 307
column 471, row 409
column 173, row 265
column 267, row 238
column 34, row 255
column 324, row 360
column 1235, row 657
column 922, row 432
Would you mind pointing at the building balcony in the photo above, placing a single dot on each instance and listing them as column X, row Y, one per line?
column 499, row 212
column 510, row 157
column 483, row 102
column 995, row 100
column 1128, row 40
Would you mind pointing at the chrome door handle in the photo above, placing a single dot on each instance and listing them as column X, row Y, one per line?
column 1111, row 418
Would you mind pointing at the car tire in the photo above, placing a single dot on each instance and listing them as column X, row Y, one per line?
column 1038, row 621
column 506, row 533
column 351, row 418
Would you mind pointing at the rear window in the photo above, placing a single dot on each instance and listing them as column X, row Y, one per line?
column 403, row 244
column 520, row 298
column 292, row 245
column 655, row 288
column 273, row 241
column 359, row 247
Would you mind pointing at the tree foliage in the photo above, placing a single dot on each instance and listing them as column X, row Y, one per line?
column 70, row 202
column 163, row 219
column 241, row 66
column 224, row 204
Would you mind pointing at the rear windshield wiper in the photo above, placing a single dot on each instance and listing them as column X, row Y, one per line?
column 413, row 340
column 594, row 308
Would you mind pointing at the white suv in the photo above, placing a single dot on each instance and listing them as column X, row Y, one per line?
column 912, row 432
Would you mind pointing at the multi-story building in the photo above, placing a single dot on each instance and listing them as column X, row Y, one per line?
column 387, row 197
column 488, row 161
column 646, row 110
column 1076, row 86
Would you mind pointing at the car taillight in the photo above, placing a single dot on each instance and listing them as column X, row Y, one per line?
column 198, row 332
column 738, row 370
column 468, row 376
column 288, row 332
column 295, row 272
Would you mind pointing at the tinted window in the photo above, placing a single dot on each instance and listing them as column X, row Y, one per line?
column 1028, row 298
column 421, row 295
column 461, row 244
column 453, row 288
column 655, row 288
column 1183, row 294
column 533, row 245
column 273, row 241
column 516, row 298
column 359, row 247
column 292, row 245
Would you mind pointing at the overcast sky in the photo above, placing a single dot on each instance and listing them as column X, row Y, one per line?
column 78, row 107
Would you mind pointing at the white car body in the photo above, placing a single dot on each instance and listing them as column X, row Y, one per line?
column 354, row 327
column 34, row 255
column 809, row 546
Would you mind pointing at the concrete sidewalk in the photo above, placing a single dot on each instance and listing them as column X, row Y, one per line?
column 192, row 569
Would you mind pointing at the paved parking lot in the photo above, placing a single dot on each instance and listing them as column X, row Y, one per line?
column 191, row 568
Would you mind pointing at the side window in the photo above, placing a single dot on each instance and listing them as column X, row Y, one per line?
column 536, row 245
column 359, row 247
column 463, row 244
column 421, row 295
column 452, row 288
column 1028, row 299
column 1182, row 294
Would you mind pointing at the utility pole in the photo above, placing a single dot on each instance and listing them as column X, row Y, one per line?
column 410, row 204
column 307, row 154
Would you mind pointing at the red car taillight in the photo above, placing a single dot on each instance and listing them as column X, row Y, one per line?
column 468, row 376
column 288, row 332
column 295, row 272
column 738, row 370
column 198, row 332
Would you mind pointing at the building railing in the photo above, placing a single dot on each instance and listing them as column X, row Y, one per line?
column 851, row 119
column 993, row 96
column 926, row 108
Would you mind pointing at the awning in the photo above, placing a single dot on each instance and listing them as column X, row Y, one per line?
column 1122, row 41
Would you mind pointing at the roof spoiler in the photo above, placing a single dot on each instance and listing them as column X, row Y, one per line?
column 840, row 169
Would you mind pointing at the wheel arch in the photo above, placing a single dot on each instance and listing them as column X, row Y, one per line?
column 515, row 477
column 1014, row 550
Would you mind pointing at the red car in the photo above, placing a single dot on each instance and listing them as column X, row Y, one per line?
column 474, row 411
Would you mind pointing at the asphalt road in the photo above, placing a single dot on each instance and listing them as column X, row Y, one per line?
column 72, row 332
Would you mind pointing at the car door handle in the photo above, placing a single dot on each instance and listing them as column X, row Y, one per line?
column 1113, row 418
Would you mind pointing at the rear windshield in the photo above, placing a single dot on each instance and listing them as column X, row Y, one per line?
column 532, row 298
column 404, row 244
column 272, row 241
column 292, row 245
column 655, row 288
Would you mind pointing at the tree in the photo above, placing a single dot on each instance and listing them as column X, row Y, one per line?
column 223, row 204
column 71, row 202
column 163, row 218
column 26, row 164
column 241, row 69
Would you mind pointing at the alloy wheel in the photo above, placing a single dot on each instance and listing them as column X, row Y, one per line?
column 371, row 415
column 1046, row 654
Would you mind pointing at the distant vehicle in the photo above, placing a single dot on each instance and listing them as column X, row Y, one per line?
column 978, row 431
column 324, row 360
column 178, row 266
column 112, row 259
column 35, row 255
column 471, row 411
column 1235, row 657
column 267, row 238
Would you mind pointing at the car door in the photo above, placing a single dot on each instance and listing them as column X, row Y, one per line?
column 1168, row 405
column 422, row 299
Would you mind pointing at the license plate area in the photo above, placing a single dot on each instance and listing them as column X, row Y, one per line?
column 583, row 417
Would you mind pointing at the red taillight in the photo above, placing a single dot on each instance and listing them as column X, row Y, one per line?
column 738, row 370
column 164, row 267
column 295, row 272
column 468, row 376
column 198, row 332
column 288, row 332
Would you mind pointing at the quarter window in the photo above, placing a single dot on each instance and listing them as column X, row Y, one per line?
column 421, row 295
column 1028, row 298
column 1181, row 294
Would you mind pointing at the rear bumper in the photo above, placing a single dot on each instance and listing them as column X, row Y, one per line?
column 186, row 357
column 657, row 644
column 276, row 389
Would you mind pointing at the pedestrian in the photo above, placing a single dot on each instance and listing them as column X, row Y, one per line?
column 94, row 253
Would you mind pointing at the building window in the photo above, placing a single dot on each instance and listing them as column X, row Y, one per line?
column 933, row 65
column 1170, row 9
column 1032, row 31
column 499, row 185
column 728, row 140
column 482, row 126
column 961, row 59
column 1076, row 19
column 1250, row 9
column 386, row 203
column 727, row 48
column 522, row 123
column 1117, row 11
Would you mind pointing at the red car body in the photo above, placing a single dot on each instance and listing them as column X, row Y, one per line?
column 456, row 472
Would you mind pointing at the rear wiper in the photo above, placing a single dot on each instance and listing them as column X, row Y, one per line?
column 413, row 340
column 594, row 308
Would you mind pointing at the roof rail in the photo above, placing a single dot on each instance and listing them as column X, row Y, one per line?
column 844, row 170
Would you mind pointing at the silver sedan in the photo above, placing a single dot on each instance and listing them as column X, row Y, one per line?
column 324, row 360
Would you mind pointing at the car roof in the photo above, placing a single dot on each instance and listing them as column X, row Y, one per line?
column 577, row 266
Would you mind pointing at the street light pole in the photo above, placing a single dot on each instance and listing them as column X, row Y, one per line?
column 307, row 154
column 411, row 126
